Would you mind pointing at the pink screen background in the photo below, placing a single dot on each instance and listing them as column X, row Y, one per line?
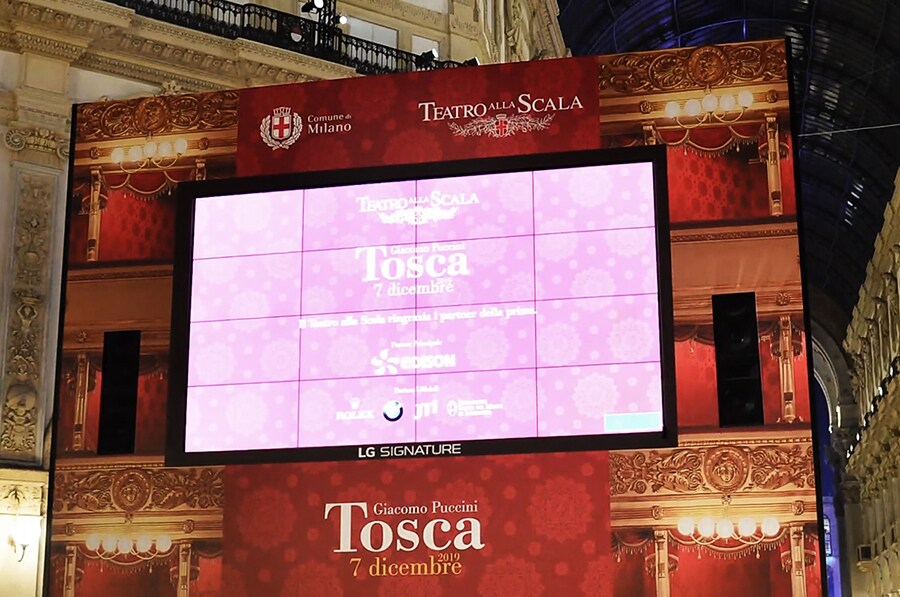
column 494, row 306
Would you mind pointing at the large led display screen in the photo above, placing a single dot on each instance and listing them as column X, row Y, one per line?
column 513, row 310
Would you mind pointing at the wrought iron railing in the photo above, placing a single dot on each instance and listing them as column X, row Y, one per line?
column 284, row 30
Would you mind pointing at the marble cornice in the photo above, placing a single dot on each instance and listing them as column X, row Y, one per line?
column 106, row 38
column 405, row 11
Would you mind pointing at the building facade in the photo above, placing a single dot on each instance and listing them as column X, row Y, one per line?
column 55, row 54
column 873, row 477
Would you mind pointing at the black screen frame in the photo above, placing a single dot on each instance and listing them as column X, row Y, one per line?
column 188, row 192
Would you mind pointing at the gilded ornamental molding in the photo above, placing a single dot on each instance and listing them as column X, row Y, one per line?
column 157, row 115
column 726, row 468
column 708, row 66
column 134, row 489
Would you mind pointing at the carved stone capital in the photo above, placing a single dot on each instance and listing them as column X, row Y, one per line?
column 38, row 139
column 21, row 496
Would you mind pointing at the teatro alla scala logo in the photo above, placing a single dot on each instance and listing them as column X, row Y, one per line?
column 281, row 128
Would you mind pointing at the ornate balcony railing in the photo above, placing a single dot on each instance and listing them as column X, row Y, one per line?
column 283, row 30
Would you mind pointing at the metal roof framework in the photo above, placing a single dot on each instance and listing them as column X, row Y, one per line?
column 845, row 60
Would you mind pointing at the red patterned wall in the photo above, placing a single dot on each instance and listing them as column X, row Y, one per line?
column 151, row 413
column 137, row 229
column 710, row 188
column 695, row 384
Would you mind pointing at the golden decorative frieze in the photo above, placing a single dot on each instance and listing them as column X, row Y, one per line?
column 725, row 469
column 157, row 115
column 693, row 68
column 131, row 490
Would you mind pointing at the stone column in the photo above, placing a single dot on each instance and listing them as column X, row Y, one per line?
column 31, row 312
column 773, row 165
column 183, row 584
column 83, row 374
column 798, row 561
column 94, row 213
column 895, row 272
column 31, row 261
column 71, row 570
column 875, row 350
column 866, row 398
column 890, row 300
column 661, row 562
column 786, row 368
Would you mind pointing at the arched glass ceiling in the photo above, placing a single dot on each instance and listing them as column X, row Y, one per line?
column 845, row 58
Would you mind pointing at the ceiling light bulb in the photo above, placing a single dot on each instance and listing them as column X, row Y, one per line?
column 109, row 543
column 143, row 543
column 343, row 20
column 727, row 102
column 150, row 149
column 134, row 153
column 706, row 526
column 320, row 4
column 672, row 109
column 746, row 526
column 770, row 526
column 124, row 544
column 117, row 155
column 692, row 107
column 710, row 102
column 686, row 526
column 180, row 146
column 165, row 149
column 163, row 543
column 92, row 542
column 745, row 99
column 725, row 528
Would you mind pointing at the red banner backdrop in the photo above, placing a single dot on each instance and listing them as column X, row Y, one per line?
column 509, row 109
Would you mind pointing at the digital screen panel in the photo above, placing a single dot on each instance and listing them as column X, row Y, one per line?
column 425, row 316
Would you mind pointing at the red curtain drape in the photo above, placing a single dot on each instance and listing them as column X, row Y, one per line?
column 746, row 576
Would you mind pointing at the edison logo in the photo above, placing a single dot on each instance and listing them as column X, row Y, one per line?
column 384, row 364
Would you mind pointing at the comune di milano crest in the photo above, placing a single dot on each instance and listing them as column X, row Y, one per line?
column 281, row 128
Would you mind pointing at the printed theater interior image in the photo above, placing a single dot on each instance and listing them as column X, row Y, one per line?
column 429, row 299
